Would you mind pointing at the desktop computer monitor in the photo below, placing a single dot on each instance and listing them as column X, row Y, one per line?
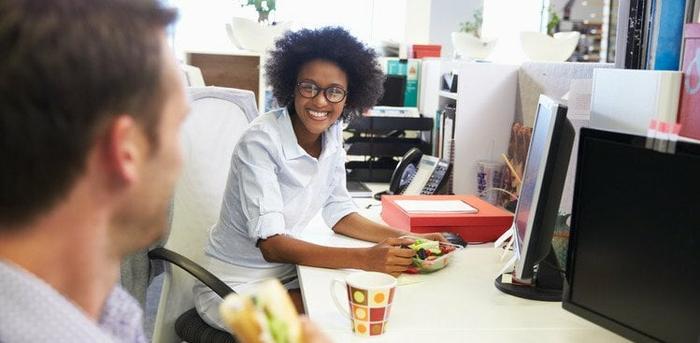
column 537, row 272
column 634, row 250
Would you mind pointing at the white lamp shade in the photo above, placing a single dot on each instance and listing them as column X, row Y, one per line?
column 539, row 46
column 250, row 35
column 467, row 45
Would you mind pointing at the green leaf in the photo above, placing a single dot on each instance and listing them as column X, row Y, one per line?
column 475, row 26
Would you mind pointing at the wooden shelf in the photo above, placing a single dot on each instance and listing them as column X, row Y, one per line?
column 234, row 70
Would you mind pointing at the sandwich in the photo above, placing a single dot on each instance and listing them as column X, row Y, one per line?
column 265, row 316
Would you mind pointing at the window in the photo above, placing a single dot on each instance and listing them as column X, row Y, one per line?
column 505, row 19
column 202, row 23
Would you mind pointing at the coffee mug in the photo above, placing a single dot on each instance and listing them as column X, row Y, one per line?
column 369, row 295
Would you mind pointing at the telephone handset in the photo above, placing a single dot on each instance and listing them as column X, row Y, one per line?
column 417, row 173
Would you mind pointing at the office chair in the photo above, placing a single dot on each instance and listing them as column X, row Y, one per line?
column 192, row 75
column 218, row 118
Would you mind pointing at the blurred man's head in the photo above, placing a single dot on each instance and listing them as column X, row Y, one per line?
column 90, row 107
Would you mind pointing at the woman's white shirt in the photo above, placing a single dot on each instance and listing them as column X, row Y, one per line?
column 275, row 187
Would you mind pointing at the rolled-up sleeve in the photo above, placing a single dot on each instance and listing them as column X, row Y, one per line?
column 259, row 192
column 339, row 203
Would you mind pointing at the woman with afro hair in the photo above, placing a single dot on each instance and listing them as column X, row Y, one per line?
column 290, row 164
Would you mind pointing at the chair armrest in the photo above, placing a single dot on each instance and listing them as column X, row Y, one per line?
column 203, row 275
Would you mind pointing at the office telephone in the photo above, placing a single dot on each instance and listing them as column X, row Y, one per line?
column 417, row 173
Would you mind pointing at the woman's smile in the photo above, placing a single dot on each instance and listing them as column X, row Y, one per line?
column 318, row 115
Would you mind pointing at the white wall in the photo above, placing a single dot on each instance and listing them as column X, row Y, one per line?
column 417, row 28
column 201, row 25
column 505, row 20
column 445, row 16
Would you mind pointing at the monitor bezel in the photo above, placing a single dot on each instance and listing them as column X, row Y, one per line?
column 524, row 257
column 567, row 303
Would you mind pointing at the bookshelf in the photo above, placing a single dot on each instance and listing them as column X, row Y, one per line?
column 242, row 70
column 483, row 109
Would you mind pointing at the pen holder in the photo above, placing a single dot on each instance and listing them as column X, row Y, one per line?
column 489, row 175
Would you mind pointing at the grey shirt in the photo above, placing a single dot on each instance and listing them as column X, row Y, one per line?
column 32, row 311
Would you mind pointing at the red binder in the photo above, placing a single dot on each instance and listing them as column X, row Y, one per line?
column 689, row 110
column 484, row 226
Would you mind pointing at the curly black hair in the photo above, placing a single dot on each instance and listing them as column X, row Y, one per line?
column 334, row 44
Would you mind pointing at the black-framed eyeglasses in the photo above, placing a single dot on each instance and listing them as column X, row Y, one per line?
column 310, row 90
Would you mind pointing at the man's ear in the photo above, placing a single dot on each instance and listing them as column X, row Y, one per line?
column 125, row 148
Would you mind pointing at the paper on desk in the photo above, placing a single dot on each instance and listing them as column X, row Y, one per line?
column 433, row 206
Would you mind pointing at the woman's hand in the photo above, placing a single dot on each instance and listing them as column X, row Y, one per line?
column 433, row 236
column 389, row 257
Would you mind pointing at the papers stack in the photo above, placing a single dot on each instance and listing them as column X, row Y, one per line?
column 435, row 206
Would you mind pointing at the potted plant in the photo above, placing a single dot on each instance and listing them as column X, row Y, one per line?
column 257, row 36
column 468, row 42
column 474, row 27
column 263, row 7
column 553, row 22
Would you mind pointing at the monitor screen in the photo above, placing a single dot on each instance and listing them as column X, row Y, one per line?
column 634, row 251
column 538, row 204
column 532, row 178
column 543, row 180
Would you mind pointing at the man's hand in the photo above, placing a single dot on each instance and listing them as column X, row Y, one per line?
column 389, row 257
column 311, row 332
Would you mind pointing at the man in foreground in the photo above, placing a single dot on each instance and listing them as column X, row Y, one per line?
column 91, row 103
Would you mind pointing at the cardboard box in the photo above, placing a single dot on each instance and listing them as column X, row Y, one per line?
column 426, row 50
column 485, row 226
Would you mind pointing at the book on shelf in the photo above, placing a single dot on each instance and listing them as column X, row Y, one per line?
column 621, row 31
column 692, row 11
column 666, row 34
column 689, row 109
column 635, row 48
column 411, row 69
column 627, row 100
column 648, row 33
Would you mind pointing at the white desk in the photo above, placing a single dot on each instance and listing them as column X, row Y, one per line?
column 459, row 303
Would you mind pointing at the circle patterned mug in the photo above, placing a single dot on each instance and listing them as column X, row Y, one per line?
column 370, row 295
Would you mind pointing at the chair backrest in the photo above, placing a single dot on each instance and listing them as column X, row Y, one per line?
column 218, row 118
column 192, row 75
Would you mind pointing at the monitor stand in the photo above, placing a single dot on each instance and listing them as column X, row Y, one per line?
column 547, row 286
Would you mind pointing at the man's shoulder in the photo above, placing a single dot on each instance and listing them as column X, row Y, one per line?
column 35, row 312
column 122, row 316
column 27, row 300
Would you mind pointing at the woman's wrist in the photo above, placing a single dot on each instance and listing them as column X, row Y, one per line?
column 397, row 232
column 360, row 258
